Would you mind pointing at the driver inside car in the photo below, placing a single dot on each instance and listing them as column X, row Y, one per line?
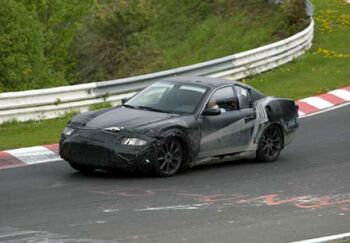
column 213, row 105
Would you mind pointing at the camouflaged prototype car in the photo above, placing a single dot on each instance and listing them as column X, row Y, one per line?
column 178, row 123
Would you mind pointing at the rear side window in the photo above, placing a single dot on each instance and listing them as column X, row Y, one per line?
column 243, row 97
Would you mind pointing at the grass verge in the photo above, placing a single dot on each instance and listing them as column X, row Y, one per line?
column 31, row 133
column 325, row 67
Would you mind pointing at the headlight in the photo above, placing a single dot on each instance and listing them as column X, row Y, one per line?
column 68, row 131
column 134, row 141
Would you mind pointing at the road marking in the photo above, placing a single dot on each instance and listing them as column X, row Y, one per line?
column 332, row 238
column 342, row 93
column 8, row 161
column 317, row 102
column 335, row 100
column 176, row 207
column 34, row 155
column 305, row 107
column 9, row 234
column 325, row 110
column 18, row 233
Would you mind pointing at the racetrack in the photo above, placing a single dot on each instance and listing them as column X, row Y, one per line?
column 306, row 194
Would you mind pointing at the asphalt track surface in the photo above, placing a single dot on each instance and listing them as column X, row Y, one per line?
column 305, row 194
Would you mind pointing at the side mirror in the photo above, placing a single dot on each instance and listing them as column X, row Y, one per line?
column 124, row 100
column 211, row 112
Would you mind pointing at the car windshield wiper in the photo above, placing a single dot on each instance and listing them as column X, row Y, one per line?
column 151, row 109
column 130, row 106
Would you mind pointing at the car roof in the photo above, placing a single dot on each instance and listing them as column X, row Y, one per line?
column 206, row 81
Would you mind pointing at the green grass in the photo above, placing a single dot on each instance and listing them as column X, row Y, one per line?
column 31, row 133
column 100, row 106
column 325, row 67
column 186, row 35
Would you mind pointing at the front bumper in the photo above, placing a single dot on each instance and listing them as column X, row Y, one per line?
column 103, row 150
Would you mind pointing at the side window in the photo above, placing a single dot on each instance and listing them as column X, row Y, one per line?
column 223, row 99
column 243, row 97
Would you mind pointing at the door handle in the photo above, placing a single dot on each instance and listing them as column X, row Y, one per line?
column 249, row 118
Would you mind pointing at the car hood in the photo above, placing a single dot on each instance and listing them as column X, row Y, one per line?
column 126, row 118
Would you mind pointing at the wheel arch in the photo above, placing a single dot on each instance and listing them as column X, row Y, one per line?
column 179, row 134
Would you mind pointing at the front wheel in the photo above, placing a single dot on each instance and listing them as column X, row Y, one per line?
column 270, row 144
column 169, row 157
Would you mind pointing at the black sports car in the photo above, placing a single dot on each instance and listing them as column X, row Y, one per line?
column 179, row 123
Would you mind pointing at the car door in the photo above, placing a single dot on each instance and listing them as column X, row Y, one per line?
column 230, row 131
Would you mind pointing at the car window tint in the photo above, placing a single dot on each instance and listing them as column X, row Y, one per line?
column 243, row 97
column 223, row 99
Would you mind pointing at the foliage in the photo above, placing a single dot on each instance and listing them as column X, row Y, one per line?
column 49, row 43
column 325, row 67
column 112, row 42
column 22, row 63
column 294, row 10
column 36, row 40
column 125, row 38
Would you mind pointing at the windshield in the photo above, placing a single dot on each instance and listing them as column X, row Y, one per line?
column 170, row 97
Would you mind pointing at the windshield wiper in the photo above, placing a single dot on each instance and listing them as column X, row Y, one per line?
column 130, row 106
column 151, row 109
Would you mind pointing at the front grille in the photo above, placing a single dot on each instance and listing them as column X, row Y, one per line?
column 100, row 136
column 88, row 154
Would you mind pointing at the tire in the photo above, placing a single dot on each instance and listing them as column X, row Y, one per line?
column 82, row 168
column 169, row 157
column 270, row 144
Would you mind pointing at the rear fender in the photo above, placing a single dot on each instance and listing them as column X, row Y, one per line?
column 271, row 110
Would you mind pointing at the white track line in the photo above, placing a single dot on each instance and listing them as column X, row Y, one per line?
column 332, row 238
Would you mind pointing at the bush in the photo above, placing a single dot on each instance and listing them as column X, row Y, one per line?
column 114, row 36
column 295, row 13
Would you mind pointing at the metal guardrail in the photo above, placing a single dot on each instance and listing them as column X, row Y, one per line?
column 55, row 102
column 309, row 8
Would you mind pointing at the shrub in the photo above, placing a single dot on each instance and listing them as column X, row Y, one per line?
column 114, row 36
column 295, row 13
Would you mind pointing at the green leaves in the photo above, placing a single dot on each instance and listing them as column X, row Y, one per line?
column 21, row 55
column 113, row 42
column 36, row 37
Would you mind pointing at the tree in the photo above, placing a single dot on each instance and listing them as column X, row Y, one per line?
column 60, row 20
column 21, row 55
column 114, row 41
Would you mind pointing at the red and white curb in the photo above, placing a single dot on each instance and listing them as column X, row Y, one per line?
column 324, row 101
column 49, row 153
column 29, row 156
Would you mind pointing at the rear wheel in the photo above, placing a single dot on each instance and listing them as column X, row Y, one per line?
column 270, row 144
column 82, row 168
column 169, row 157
